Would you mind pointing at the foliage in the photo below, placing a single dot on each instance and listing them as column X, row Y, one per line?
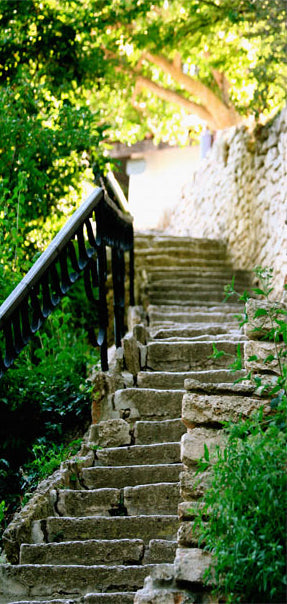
column 246, row 502
column 46, row 459
column 45, row 399
column 242, row 521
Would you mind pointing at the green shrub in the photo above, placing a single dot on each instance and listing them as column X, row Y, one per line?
column 246, row 503
column 243, row 519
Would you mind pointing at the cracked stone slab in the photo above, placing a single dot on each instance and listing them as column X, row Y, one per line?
column 192, row 444
column 216, row 409
column 190, row 565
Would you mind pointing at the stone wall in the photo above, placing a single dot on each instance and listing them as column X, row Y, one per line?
column 239, row 194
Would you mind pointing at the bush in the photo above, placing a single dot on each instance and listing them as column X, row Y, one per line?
column 45, row 400
column 246, row 503
column 243, row 519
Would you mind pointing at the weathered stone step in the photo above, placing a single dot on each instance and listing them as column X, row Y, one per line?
column 95, row 598
column 161, row 240
column 175, row 314
column 110, row 598
column 74, row 580
column 143, row 403
column 181, row 251
column 227, row 337
column 203, row 308
column 55, row 529
column 148, row 432
column 165, row 276
column 166, row 272
column 194, row 330
column 45, row 601
column 99, row 502
column 161, row 498
column 122, row 476
column 175, row 379
column 170, row 258
column 91, row 551
column 114, row 551
column 171, row 298
column 140, row 454
column 186, row 356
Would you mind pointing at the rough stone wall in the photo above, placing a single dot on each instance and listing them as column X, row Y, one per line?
column 239, row 194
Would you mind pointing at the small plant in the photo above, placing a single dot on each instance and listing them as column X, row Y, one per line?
column 47, row 459
column 242, row 521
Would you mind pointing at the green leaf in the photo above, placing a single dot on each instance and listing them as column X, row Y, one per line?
column 206, row 452
column 259, row 291
column 260, row 312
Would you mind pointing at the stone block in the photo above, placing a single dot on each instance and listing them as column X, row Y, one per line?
column 216, row 408
column 140, row 333
column 257, row 327
column 190, row 565
column 192, row 444
column 131, row 354
column 160, row 550
column 193, row 486
column 136, row 315
column 261, row 350
column 161, row 498
column 143, row 355
column 110, row 433
column 188, row 535
column 188, row 510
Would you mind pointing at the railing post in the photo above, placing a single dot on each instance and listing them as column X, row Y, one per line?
column 132, row 276
column 118, row 272
column 103, row 310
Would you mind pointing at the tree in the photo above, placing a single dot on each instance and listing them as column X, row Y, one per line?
column 218, row 60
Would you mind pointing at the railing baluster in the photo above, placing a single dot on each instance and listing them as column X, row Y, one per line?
column 118, row 272
column 103, row 310
column 83, row 256
column 65, row 282
column 11, row 354
column 56, row 288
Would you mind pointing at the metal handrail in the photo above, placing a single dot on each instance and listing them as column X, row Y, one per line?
column 49, row 279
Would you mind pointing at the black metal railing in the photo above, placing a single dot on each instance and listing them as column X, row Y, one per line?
column 80, row 247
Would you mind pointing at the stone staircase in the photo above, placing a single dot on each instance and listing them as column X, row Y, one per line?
column 117, row 521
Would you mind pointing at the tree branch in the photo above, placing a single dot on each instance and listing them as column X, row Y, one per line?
column 223, row 116
column 176, row 98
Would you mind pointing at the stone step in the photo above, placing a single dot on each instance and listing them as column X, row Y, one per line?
column 203, row 308
column 171, row 259
column 73, row 580
column 164, row 277
column 171, row 298
column 194, row 330
column 227, row 337
column 54, row 529
column 45, row 601
column 113, row 551
column 94, row 598
column 193, row 273
column 122, row 476
column 148, row 432
column 161, row 498
column 110, row 598
column 92, row 551
column 99, row 502
column 186, row 356
column 185, row 289
column 160, row 239
column 139, row 454
column 175, row 379
column 181, row 251
column 148, row 403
